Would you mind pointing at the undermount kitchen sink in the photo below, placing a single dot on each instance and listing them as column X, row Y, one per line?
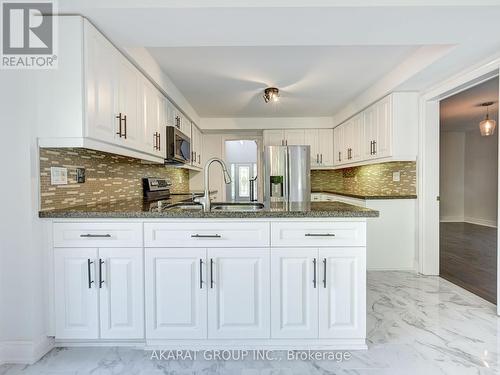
column 219, row 206
column 237, row 206
column 185, row 206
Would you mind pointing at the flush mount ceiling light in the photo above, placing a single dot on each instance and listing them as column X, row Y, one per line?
column 487, row 126
column 271, row 94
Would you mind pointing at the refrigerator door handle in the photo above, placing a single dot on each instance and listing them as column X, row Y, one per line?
column 287, row 176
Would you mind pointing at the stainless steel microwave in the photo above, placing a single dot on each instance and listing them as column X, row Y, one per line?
column 178, row 147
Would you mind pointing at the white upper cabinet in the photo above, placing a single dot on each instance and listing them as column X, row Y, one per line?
column 153, row 107
column 338, row 145
column 196, row 146
column 320, row 141
column 100, row 100
column 280, row 137
column 274, row 138
column 325, row 147
column 294, row 137
column 100, row 55
column 386, row 130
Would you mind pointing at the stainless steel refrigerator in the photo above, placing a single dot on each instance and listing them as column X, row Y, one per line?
column 287, row 171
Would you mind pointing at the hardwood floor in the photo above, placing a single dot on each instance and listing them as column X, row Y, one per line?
column 468, row 258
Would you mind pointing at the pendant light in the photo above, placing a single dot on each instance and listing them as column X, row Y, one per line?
column 487, row 126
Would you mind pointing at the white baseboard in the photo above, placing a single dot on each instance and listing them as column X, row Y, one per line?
column 483, row 222
column 469, row 220
column 452, row 219
column 25, row 352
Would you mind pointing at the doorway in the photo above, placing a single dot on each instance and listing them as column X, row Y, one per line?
column 468, row 190
column 242, row 160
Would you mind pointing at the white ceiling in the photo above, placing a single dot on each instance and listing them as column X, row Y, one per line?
column 313, row 81
column 463, row 111
column 369, row 37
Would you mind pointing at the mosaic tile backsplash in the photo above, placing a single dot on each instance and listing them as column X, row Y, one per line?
column 109, row 177
column 375, row 179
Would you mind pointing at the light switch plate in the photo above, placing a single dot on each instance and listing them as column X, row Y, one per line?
column 396, row 176
column 58, row 176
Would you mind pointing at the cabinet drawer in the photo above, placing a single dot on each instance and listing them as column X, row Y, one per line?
column 97, row 234
column 248, row 234
column 342, row 233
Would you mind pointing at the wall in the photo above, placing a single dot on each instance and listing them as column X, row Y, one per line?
column 259, row 123
column 481, row 179
column 22, row 293
column 109, row 177
column 374, row 179
column 451, row 177
column 468, row 178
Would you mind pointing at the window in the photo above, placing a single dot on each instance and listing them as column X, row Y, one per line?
column 244, row 181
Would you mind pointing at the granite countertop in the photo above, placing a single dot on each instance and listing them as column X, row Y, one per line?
column 137, row 208
column 367, row 196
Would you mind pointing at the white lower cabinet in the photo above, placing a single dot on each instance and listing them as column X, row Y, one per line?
column 300, row 283
column 76, row 309
column 99, row 293
column 294, row 295
column 238, row 296
column 216, row 293
column 176, row 293
column 121, row 296
column 318, row 293
column 342, row 293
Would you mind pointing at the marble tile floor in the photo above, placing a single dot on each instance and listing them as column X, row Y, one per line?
column 416, row 325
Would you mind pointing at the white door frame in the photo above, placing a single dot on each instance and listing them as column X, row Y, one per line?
column 428, row 168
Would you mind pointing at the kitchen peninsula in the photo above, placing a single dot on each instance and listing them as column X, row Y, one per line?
column 177, row 277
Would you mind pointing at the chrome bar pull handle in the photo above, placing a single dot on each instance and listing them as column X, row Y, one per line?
column 206, row 236
column 314, row 273
column 319, row 235
column 201, row 273
column 125, row 126
column 101, row 281
column 324, row 273
column 211, row 273
column 89, row 263
column 119, row 117
column 89, row 235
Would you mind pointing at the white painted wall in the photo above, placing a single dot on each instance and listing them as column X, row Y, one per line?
column 22, row 292
column 256, row 123
column 481, row 176
column 452, row 150
column 468, row 178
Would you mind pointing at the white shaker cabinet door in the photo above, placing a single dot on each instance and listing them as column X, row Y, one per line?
column 294, row 293
column 176, row 293
column 274, row 138
column 76, row 310
column 342, row 293
column 238, row 294
column 100, row 87
column 325, row 142
column 121, row 293
column 383, row 146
